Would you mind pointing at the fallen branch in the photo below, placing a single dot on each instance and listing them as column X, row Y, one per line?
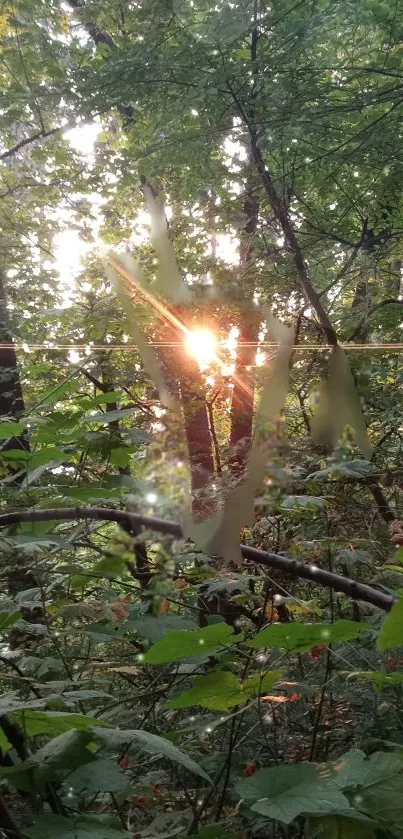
column 134, row 522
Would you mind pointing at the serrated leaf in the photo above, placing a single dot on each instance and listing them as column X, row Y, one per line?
column 186, row 644
column 301, row 637
column 261, row 683
column 218, row 691
column 391, row 634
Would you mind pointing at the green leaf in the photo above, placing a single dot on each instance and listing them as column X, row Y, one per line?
column 137, row 435
column 120, row 456
column 378, row 678
column 340, row 826
column 301, row 637
column 103, row 775
column 15, row 455
column 285, row 792
column 59, row 757
column 217, row 691
column 184, row 644
column 115, row 739
column 111, row 566
column 345, row 469
column 34, row 474
column 105, row 398
column 110, row 416
column 78, row 827
column 303, row 503
column 89, row 493
column 50, row 723
column 155, row 627
column 46, row 455
column 68, row 387
column 391, row 634
column 377, row 784
column 258, row 684
column 11, row 429
column 8, row 619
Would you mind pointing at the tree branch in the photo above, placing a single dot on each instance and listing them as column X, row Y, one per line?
column 40, row 135
column 389, row 302
column 355, row 590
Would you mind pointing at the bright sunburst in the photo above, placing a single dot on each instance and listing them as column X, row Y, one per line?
column 202, row 345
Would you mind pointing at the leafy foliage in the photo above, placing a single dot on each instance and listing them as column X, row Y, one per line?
column 182, row 173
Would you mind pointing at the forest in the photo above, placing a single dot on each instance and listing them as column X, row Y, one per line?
column 201, row 400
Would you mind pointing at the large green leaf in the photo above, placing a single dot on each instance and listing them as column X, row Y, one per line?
column 78, row 827
column 53, row 761
column 46, row 455
column 221, row 690
column 301, row 637
column 376, row 783
column 391, row 634
column 50, row 723
column 103, row 775
column 340, row 826
column 116, row 740
column 184, row 644
column 217, row 691
column 285, row 792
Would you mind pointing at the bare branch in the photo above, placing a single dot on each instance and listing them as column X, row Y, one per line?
column 133, row 522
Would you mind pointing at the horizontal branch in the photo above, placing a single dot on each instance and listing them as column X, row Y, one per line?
column 134, row 522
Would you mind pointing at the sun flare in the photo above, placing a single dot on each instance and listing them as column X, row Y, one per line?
column 202, row 345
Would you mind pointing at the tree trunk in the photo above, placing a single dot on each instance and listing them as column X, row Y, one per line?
column 244, row 388
column 11, row 398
